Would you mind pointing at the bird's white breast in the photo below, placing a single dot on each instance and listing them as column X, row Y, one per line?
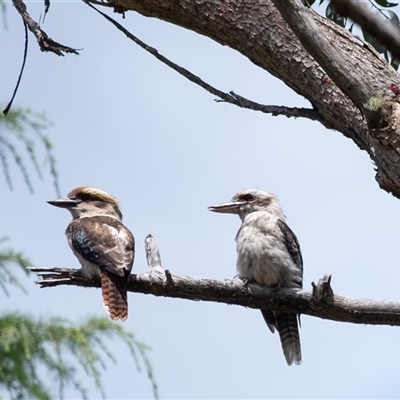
column 261, row 251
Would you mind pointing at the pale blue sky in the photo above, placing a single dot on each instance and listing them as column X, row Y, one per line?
column 127, row 124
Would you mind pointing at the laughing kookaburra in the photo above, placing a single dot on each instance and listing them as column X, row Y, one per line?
column 104, row 247
column 268, row 253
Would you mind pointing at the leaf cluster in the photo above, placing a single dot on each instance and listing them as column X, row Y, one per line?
column 383, row 7
column 21, row 133
column 52, row 347
column 37, row 355
column 8, row 259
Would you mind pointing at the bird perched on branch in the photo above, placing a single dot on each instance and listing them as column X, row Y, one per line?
column 104, row 247
column 268, row 253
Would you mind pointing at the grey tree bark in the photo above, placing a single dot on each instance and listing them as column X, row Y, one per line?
column 319, row 302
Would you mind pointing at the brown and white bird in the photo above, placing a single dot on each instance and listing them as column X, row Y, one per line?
column 268, row 253
column 104, row 247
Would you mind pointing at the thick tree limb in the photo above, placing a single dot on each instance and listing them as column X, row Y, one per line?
column 338, row 67
column 371, row 22
column 319, row 302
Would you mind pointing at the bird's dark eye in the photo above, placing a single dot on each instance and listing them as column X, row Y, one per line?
column 247, row 197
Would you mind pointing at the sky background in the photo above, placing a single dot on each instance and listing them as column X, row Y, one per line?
column 125, row 123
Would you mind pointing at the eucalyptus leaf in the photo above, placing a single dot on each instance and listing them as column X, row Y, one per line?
column 385, row 4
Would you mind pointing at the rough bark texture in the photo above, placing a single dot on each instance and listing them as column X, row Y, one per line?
column 367, row 110
column 319, row 302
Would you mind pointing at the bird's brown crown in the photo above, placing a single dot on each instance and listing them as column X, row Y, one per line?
column 97, row 197
column 87, row 193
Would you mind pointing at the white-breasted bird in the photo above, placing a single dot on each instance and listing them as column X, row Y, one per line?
column 104, row 247
column 268, row 253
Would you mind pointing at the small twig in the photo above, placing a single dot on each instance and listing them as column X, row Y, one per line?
column 294, row 112
column 230, row 97
column 323, row 291
column 45, row 43
column 54, row 276
column 152, row 254
column 168, row 275
column 7, row 109
column 46, row 8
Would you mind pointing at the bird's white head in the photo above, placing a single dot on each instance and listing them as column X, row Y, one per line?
column 249, row 201
column 86, row 201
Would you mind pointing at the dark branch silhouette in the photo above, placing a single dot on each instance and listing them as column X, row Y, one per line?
column 231, row 97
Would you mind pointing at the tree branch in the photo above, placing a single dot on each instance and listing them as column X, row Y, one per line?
column 319, row 302
column 381, row 29
column 339, row 308
column 230, row 97
column 258, row 31
column 45, row 43
column 339, row 68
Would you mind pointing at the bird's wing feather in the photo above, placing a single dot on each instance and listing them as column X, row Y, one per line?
column 293, row 248
column 103, row 241
column 292, row 244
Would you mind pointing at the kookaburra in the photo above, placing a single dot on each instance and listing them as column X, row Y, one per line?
column 268, row 253
column 104, row 247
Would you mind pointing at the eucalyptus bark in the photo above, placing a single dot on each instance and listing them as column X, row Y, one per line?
column 352, row 88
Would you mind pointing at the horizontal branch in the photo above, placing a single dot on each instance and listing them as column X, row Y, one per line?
column 334, row 307
column 319, row 302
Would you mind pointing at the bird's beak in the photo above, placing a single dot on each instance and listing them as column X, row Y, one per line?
column 64, row 203
column 232, row 207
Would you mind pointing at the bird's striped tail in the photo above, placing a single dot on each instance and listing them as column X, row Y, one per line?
column 114, row 292
column 288, row 328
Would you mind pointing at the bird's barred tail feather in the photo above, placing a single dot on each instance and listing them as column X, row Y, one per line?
column 288, row 329
column 114, row 292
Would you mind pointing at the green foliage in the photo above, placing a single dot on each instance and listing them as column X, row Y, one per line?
column 29, row 346
column 20, row 134
column 39, row 355
column 33, row 350
column 8, row 259
column 332, row 14
column 382, row 7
